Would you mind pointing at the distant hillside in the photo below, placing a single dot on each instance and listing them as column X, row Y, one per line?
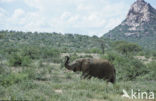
column 65, row 43
column 139, row 26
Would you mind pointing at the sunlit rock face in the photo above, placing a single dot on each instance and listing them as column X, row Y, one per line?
column 140, row 21
column 139, row 25
column 139, row 14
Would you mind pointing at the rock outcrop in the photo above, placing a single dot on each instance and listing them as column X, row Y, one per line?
column 139, row 25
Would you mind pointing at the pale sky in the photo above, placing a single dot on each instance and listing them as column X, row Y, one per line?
column 88, row 17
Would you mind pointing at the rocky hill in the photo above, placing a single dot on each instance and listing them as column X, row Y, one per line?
column 139, row 26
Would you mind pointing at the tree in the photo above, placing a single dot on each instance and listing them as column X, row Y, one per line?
column 126, row 47
column 103, row 48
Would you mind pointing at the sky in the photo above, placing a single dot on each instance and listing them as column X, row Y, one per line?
column 87, row 17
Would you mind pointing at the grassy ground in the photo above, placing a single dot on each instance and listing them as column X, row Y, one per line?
column 45, row 81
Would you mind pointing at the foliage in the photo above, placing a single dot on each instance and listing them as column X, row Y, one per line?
column 31, row 51
column 10, row 79
column 152, row 68
column 65, row 86
column 125, row 47
column 95, row 50
column 18, row 59
column 41, row 75
column 154, row 54
column 128, row 68
column 38, row 43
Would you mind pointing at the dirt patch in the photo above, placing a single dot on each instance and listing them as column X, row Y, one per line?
column 144, row 59
column 51, row 64
column 94, row 55
column 58, row 91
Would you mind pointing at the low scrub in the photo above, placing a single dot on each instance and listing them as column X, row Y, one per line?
column 128, row 68
column 12, row 78
column 17, row 59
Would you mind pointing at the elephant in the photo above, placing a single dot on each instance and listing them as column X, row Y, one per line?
column 90, row 67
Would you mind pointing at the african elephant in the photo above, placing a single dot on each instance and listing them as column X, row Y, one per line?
column 99, row 68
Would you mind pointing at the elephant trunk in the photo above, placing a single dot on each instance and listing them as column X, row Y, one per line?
column 66, row 64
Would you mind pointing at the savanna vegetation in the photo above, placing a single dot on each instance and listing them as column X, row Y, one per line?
column 32, row 67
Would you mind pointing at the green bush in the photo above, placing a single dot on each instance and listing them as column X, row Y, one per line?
column 128, row 68
column 1, row 36
column 111, row 56
column 56, row 60
column 135, row 69
column 141, row 53
column 73, row 56
column 15, row 60
column 152, row 69
column 31, row 52
column 126, row 47
column 95, row 50
column 18, row 59
column 36, row 72
column 26, row 61
column 4, row 69
column 10, row 50
column 49, row 53
column 154, row 54
column 9, row 79
column 2, row 91
column 32, row 72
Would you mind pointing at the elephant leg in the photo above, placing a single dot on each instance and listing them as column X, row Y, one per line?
column 89, row 77
column 112, row 80
column 82, row 76
column 85, row 75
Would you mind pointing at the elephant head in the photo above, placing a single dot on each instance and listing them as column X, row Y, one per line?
column 75, row 66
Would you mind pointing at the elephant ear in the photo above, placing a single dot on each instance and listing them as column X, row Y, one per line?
column 78, row 65
column 84, row 65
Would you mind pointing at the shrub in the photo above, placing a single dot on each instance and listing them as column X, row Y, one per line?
column 141, row 53
column 128, row 68
column 2, row 91
column 154, row 54
column 56, row 60
column 152, row 69
column 1, row 36
column 42, row 75
column 32, row 72
column 17, row 59
column 95, row 50
column 10, row 50
column 9, row 79
column 50, row 53
column 73, row 56
column 136, row 69
column 26, row 61
column 31, row 52
column 37, row 72
column 4, row 69
column 125, row 47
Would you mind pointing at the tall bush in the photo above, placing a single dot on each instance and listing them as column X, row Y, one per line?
column 128, row 68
